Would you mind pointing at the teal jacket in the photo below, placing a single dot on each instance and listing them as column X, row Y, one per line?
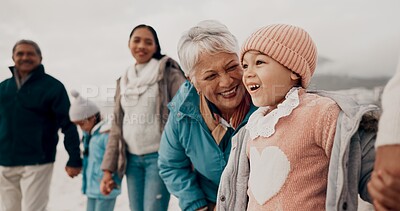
column 30, row 118
column 190, row 161
column 94, row 145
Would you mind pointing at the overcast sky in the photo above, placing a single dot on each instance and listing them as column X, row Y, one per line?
column 84, row 42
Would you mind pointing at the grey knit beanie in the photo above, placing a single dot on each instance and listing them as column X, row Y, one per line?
column 81, row 108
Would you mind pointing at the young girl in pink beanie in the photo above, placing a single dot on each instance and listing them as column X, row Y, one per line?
column 300, row 150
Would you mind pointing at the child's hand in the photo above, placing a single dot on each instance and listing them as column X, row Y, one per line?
column 107, row 184
column 385, row 190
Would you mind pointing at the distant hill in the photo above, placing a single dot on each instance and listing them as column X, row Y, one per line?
column 340, row 82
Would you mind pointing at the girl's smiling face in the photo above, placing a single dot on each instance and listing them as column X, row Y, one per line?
column 265, row 79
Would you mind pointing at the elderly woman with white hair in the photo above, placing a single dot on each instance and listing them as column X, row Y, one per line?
column 204, row 115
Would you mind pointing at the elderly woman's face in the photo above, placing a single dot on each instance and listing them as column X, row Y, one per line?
column 219, row 78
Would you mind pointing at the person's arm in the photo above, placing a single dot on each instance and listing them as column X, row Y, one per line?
column 111, row 154
column 176, row 170
column 389, row 123
column 384, row 186
column 60, row 107
column 384, row 189
column 110, row 159
column 327, row 116
column 384, row 198
column 107, row 183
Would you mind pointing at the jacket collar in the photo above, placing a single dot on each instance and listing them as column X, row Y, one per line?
column 186, row 102
column 37, row 72
column 101, row 127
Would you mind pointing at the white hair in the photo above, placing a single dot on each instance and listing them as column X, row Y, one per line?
column 208, row 36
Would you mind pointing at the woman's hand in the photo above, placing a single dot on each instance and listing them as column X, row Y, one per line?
column 384, row 186
column 107, row 184
column 385, row 191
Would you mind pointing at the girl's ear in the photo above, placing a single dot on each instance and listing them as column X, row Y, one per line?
column 294, row 76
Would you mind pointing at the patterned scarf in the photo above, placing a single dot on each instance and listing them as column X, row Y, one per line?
column 218, row 125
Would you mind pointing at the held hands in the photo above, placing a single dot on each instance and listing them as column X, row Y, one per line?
column 384, row 186
column 73, row 171
column 107, row 184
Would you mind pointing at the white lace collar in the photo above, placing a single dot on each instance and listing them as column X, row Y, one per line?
column 262, row 122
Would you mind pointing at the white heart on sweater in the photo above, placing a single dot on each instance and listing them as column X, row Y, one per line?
column 268, row 172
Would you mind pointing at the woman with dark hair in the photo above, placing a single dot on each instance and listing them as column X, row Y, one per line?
column 140, row 113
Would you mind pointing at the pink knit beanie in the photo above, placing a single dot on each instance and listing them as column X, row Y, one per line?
column 289, row 45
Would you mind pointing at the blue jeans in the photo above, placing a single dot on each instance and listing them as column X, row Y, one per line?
column 100, row 204
column 146, row 189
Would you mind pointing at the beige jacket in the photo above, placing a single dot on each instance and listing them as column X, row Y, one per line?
column 171, row 77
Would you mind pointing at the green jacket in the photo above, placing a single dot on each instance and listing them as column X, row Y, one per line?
column 30, row 118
